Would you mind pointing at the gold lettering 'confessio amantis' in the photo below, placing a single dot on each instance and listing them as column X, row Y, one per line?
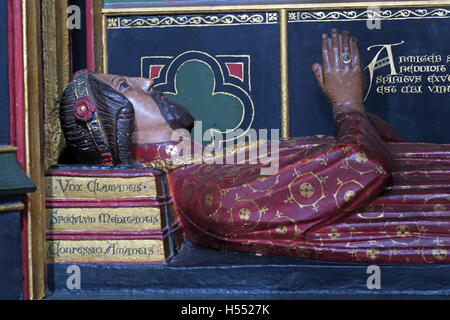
column 148, row 250
column 65, row 187
column 104, row 219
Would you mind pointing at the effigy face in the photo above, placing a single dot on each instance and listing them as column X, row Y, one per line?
column 155, row 115
column 112, row 111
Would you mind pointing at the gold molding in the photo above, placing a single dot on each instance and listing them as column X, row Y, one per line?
column 284, row 73
column 8, row 149
column 56, row 68
column 104, row 44
column 18, row 206
column 98, row 29
column 33, row 103
column 157, row 10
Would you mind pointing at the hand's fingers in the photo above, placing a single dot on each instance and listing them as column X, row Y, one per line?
column 325, row 52
column 317, row 69
column 356, row 57
column 346, row 47
column 336, row 49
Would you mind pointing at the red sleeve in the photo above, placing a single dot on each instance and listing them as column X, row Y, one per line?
column 385, row 130
column 312, row 187
column 356, row 130
column 352, row 172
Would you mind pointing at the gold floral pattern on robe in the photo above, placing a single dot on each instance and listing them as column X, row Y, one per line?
column 352, row 198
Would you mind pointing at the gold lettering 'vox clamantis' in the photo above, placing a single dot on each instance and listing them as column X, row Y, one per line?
column 100, row 187
column 110, row 216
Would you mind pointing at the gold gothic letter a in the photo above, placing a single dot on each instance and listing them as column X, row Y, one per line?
column 377, row 64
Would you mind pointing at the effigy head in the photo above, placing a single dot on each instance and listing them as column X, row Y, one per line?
column 102, row 114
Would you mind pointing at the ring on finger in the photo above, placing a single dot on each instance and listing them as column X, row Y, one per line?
column 346, row 58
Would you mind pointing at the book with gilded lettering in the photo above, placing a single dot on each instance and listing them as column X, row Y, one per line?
column 95, row 184
column 110, row 215
column 114, row 248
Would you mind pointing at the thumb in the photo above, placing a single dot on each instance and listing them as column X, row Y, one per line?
column 317, row 70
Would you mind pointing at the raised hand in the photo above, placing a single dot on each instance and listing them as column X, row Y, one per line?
column 341, row 75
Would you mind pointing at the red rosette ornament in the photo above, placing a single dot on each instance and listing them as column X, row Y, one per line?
column 84, row 109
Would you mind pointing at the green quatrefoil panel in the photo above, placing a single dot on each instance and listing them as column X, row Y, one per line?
column 195, row 89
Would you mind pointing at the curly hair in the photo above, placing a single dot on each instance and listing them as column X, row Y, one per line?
column 116, row 115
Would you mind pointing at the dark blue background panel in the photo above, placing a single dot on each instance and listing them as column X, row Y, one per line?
column 79, row 40
column 241, row 50
column 402, row 93
column 4, row 78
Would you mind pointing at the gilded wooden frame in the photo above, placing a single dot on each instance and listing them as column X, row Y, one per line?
column 46, row 71
column 34, row 147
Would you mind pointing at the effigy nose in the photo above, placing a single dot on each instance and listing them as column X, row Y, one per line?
column 146, row 84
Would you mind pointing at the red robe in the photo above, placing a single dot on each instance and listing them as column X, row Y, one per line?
column 353, row 198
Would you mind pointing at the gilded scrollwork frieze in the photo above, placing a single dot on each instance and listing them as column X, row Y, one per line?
column 353, row 15
column 191, row 20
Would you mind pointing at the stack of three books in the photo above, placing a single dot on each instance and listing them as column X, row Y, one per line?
column 97, row 215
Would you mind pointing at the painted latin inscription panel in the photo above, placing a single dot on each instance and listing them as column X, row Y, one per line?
column 406, row 54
